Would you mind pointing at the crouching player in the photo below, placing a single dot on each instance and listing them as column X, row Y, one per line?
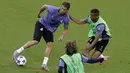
column 72, row 61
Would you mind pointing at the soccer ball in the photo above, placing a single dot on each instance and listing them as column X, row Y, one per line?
column 21, row 60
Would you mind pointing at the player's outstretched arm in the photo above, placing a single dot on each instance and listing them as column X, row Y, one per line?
column 78, row 21
column 41, row 10
column 91, row 61
column 63, row 34
column 97, row 37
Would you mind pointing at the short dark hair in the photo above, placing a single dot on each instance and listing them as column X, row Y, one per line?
column 66, row 4
column 71, row 47
column 95, row 11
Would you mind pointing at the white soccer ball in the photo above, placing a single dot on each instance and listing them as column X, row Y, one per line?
column 21, row 60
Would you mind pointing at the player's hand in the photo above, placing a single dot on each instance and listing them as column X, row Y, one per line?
column 38, row 15
column 60, row 38
column 106, row 57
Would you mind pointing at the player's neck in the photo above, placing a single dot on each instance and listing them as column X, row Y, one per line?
column 95, row 20
column 60, row 13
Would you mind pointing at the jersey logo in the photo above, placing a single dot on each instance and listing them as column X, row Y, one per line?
column 61, row 21
column 41, row 29
column 101, row 48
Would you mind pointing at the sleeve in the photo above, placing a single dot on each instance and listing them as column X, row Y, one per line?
column 91, row 61
column 61, row 66
column 100, row 28
column 84, row 59
column 51, row 8
column 86, row 20
column 66, row 22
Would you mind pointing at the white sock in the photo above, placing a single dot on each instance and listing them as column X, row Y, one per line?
column 20, row 50
column 45, row 60
column 101, row 56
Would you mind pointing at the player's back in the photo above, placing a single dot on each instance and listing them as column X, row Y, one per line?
column 74, row 63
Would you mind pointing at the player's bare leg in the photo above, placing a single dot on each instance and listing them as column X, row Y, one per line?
column 30, row 43
column 86, row 51
column 96, row 54
column 47, row 54
column 49, row 49
column 27, row 45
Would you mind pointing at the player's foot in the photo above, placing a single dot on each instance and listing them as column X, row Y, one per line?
column 15, row 56
column 44, row 67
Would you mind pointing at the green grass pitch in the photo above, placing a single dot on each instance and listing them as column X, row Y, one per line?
column 17, row 19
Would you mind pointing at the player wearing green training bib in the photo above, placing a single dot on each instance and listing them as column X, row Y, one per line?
column 99, row 33
column 72, row 61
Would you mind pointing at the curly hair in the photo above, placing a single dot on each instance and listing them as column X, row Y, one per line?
column 71, row 47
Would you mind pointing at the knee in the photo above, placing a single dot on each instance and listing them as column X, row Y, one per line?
column 50, row 44
column 35, row 41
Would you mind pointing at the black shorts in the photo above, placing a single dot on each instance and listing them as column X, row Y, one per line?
column 40, row 31
column 100, row 45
